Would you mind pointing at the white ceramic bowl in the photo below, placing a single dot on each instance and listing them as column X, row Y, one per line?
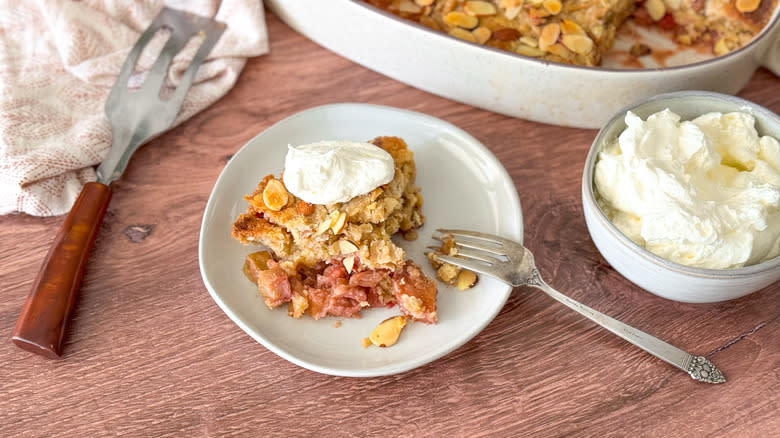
column 506, row 83
column 645, row 269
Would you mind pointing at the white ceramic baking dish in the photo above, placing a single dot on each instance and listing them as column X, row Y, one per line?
column 514, row 85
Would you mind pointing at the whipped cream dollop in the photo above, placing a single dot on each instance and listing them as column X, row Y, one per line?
column 327, row 172
column 703, row 193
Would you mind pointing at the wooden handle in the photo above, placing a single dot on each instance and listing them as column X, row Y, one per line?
column 41, row 324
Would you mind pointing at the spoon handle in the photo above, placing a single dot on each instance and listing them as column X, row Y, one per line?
column 44, row 316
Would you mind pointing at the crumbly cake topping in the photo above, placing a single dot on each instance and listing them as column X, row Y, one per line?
column 581, row 31
column 338, row 259
column 300, row 233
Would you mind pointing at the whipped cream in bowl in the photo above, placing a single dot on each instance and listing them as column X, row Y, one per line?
column 681, row 195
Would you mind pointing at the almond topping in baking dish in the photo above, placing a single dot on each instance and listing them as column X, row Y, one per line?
column 579, row 44
column 479, row 8
column 569, row 27
column 559, row 50
column 430, row 22
column 672, row 4
column 275, row 195
column 481, row 34
column 529, row 51
column 529, row 41
column 512, row 13
column 506, row 34
column 409, row 7
column 656, row 9
column 462, row 34
column 460, row 19
column 509, row 4
column 388, row 331
column 549, row 36
column 552, row 6
column 747, row 5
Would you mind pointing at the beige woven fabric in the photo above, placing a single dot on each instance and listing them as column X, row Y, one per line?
column 58, row 61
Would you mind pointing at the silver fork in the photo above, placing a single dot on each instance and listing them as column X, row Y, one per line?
column 512, row 263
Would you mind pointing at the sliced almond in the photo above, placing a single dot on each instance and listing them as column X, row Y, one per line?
column 463, row 34
column 529, row 41
column 338, row 223
column 365, row 342
column 349, row 263
column 409, row 7
column 561, row 51
column 745, row 6
column 513, row 12
column 325, row 225
column 388, row 331
column 481, row 34
column 524, row 50
column 549, row 36
column 479, row 8
column 430, row 22
column 552, row 6
column 347, row 247
column 424, row 2
column 466, row 279
column 656, row 9
column 275, row 195
column 539, row 12
column 462, row 20
column 569, row 27
column 579, row 44
column 675, row 4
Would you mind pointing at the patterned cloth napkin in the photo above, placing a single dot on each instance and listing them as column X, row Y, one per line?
column 58, row 61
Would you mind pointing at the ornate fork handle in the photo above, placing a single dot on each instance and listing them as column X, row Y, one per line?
column 700, row 368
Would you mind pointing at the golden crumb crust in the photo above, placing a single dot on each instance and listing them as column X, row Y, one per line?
column 338, row 259
column 300, row 233
column 580, row 32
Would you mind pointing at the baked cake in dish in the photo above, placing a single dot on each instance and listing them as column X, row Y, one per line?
column 338, row 259
column 581, row 31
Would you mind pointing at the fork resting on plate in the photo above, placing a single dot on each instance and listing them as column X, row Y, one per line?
column 512, row 263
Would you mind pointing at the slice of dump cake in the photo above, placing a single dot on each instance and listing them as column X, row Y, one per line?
column 338, row 258
column 581, row 31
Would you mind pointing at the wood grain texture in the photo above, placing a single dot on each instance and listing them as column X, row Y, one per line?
column 149, row 353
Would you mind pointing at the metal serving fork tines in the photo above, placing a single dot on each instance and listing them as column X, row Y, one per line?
column 512, row 263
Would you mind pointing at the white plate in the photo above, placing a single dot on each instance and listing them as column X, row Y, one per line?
column 464, row 186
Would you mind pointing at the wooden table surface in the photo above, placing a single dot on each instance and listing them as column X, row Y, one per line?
column 149, row 353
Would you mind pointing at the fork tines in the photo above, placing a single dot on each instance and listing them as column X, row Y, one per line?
column 475, row 251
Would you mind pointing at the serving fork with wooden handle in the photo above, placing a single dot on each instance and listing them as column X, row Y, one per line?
column 514, row 264
column 136, row 117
